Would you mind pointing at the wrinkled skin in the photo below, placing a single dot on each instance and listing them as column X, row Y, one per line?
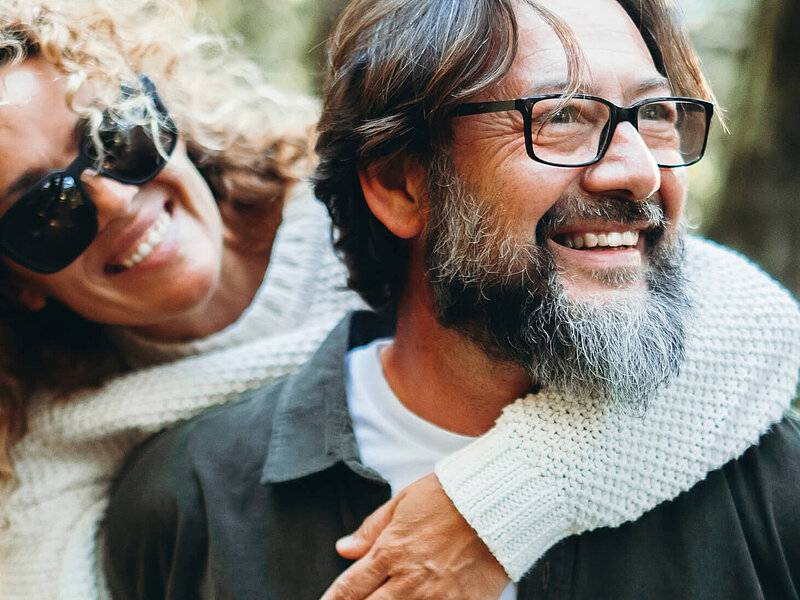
column 397, row 544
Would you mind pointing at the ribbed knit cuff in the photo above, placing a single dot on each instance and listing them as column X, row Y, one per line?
column 519, row 511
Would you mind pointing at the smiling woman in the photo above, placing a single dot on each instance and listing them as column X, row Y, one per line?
column 151, row 227
column 53, row 101
column 71, row 233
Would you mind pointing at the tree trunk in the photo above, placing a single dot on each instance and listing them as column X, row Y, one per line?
column 760, row 208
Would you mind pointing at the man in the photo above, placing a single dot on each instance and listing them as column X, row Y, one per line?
column 508, row 246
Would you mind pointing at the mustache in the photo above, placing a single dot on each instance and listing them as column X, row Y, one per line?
column 572, row 209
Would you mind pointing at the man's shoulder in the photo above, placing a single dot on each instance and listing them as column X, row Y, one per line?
column 231, row 434
column 752, row 503
column 774, row 462
column 759, row 491
column 735, row 534
column 218, row 493
column 233, row 440
column 230, row 439
column 176, row 488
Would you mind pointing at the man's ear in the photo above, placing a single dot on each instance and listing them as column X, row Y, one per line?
column 395, row 193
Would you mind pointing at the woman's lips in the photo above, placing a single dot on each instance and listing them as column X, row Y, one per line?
column 143, row 245
column 152, row 238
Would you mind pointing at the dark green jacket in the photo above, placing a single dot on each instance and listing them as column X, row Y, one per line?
column 246, row 501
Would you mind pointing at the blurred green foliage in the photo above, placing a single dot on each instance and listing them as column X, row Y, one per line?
column 287, row 38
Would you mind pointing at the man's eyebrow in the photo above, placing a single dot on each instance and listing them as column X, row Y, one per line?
column 557, row 86
column 547, row 86
column 653, row 83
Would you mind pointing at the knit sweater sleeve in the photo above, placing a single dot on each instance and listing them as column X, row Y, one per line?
column 554, row 466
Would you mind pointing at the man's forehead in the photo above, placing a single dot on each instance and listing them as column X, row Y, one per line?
column 607, row 49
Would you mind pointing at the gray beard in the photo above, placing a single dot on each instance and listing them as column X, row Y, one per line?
column 505, row 296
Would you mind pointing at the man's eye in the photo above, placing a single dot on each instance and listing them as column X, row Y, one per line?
column 564, row 115
column 657, row 112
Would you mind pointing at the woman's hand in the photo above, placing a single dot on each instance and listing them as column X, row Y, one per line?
column 417, row 546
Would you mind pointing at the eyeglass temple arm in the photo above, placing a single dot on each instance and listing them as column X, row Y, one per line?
column 478, row 108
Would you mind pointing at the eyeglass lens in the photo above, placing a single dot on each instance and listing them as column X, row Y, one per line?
column 576, row 132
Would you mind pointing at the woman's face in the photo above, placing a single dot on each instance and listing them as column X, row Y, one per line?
column 158, row 250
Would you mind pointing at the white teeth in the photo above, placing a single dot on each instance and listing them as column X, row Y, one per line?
column 152, row 238
column 611, row 239
column 630, row 238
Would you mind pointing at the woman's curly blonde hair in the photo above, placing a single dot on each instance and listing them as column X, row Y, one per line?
column 250, row 142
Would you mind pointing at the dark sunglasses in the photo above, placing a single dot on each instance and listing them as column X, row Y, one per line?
column 54, row 222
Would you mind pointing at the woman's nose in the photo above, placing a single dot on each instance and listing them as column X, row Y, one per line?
column 111, row 198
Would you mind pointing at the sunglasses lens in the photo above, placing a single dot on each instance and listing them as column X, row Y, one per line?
column 132, row 155
column 50, row 226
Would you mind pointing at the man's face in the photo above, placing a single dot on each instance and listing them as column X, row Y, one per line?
column 489, row 151
column 606, row 319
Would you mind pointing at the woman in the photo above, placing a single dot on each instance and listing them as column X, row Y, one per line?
column 164, row 278
column 175, row 261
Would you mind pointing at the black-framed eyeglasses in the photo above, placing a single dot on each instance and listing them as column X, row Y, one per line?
column 576, row 131
column 54, row 222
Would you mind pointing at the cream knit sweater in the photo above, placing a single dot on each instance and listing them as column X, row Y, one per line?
column 741, row 358
column 75, row 446
column 554, row 466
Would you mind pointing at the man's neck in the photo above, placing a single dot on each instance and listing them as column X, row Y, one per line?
column 443, row 377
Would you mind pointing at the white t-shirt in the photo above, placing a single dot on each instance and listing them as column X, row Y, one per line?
column 392, row 440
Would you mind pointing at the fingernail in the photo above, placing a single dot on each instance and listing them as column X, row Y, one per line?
column 344, row 542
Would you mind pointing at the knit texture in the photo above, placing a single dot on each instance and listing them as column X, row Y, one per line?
column 554, row 466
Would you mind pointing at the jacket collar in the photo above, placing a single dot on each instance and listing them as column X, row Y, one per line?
column 312, row 429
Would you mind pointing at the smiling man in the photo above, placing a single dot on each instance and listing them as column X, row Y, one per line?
column 547, row 232
column 506, row 184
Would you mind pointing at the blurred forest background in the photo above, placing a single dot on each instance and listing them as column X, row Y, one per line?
column 744, row 193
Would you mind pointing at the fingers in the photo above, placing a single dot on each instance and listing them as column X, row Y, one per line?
column 358, row 582
column 412, row 587
column 417, row 547
column 358, row 543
